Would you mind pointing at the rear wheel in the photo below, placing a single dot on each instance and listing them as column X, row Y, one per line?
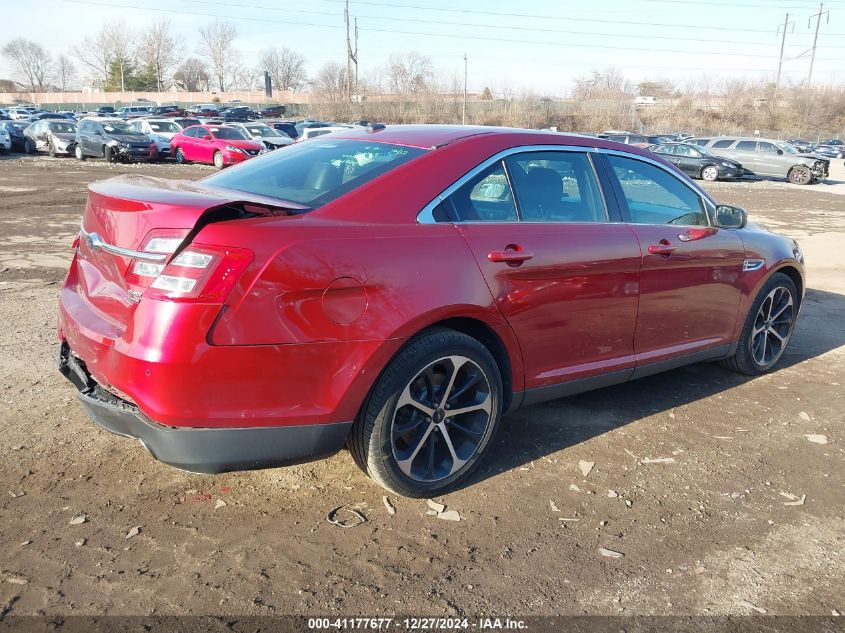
column 710, row 173
column 29, row 146
column 430, row 418
column 800, row 176
column 218, row 160
column 78, row 153
column 768, row 327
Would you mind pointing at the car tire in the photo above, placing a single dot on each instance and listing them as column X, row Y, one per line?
column 180, row 156
column 764, row 332
column 78, row 153
column 28, row 146
column 397, row 443
column 710, row 173
column 108, row 154
column 219, row 163
column 800, row 176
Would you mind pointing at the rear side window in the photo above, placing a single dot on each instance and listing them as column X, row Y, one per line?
column 722, row 144
column 317, row 172
column 766, row 147
column 556, row 187
column 487, row 197
column 746, row 146
column 654, row 196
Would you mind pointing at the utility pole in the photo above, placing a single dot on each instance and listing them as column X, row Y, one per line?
column 818, row 17
column 782, row 44
column 464, row 111
column 351, row 56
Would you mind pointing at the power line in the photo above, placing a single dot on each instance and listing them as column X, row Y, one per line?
column 429, row 34
column 536, row 16
column 708, row 40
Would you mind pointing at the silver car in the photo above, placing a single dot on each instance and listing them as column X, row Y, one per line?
column 771, row 158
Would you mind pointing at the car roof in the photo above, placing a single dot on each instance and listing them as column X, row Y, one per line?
column 431, row 136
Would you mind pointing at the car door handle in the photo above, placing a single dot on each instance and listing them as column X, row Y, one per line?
column 509, row 256
column 664, row 247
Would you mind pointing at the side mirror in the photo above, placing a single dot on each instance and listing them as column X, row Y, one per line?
column 730, row 217
column 780, row 152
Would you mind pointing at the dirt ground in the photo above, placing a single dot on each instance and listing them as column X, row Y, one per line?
column 716, row 531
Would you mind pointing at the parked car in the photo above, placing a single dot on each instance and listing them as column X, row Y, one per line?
column 132, row 112
column 54, row 137
column 161, row 131
column 16, row 135
column 313, row 132
column 637, row 140
column 398, row 290
column 828, row 151
column 771, row 158
column 833, row 142
column 186, row 122
column 285, row 127
column 167, row 111
column 273, row 111
column 801, row 145
column 105, row 111
column 204, row 109
column 21, row 114
column 308, row 125
column 5, row 141
column 237, row 114
column 700, row 141
column 113, row 140
column 218, row 145
column 697, row 162
column 270, row 138
column 50, row 115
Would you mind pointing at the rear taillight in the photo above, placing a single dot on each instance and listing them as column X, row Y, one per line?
column 200, row 273
column 159, row 241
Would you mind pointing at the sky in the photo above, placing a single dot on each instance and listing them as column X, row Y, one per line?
column 539, row 46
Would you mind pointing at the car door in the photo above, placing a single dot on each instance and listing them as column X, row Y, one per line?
column 770, row 160
column 561, row 270
column 189, row 143
column 85, row 133
column 688, row 160
column 689, row 282
column 745, row 153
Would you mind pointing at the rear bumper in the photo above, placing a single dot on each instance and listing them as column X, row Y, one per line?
column 202, row 450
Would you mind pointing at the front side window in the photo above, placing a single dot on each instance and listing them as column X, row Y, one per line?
column 315, row 173
column 487, row 197
column 556, row 187
column 654, row 196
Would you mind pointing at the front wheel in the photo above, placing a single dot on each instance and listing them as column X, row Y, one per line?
column 108, row 154
column 768, row 327
column 78, row 153
column 180, row 156
column 710, row 173
column 800, row 176
column 218, row 160
column 431, row 415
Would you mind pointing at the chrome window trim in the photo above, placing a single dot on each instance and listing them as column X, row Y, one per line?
column 426, row 215
column 95, row 242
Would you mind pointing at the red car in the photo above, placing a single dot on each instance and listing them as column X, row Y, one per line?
column 218, row 145
column 398, row 290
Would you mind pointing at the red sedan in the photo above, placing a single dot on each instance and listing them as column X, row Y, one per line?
column 218, row 145
column 398, row 290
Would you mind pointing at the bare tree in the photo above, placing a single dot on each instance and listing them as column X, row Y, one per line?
column 192, row 75
column 31, row 60
column 217, row 41
column 409, row 73
column 110, row 50
column 65, row 71
column 286, row 67
column 330, row 81
column 159, row 51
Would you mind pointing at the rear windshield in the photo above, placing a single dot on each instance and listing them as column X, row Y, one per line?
column 315, row 172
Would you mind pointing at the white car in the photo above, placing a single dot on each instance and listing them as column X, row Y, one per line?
column 160, row 131
column 311, row 132
column 270, row 137
column 5, row 141
column 18, row 114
